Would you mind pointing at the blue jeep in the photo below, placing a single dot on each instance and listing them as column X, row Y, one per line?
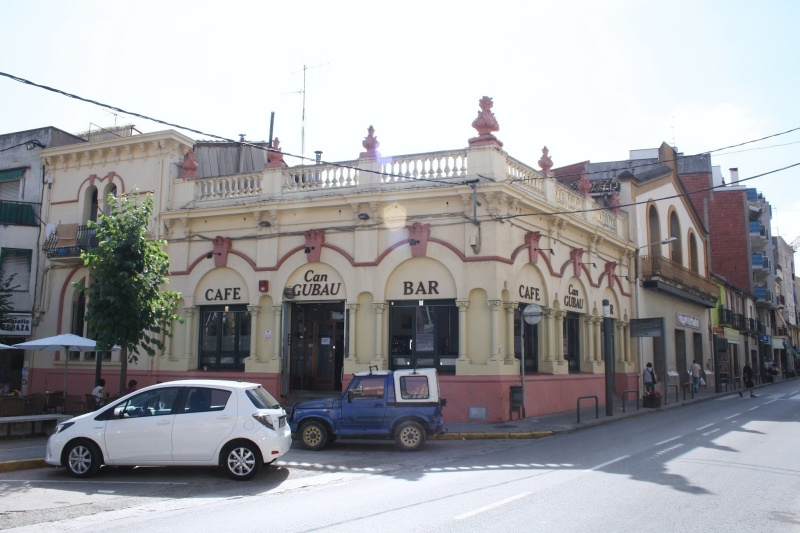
column 401, row 404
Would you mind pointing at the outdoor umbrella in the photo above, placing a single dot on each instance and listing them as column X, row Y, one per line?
column 66, row 342
column 5, row 346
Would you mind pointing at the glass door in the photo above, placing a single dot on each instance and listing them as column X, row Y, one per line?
column 572, row 341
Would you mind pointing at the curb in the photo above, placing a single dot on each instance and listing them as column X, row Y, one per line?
column 22, row 464
column 484, row 435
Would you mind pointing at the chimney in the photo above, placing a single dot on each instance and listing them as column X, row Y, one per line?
column 734, row 176
column 318, row 153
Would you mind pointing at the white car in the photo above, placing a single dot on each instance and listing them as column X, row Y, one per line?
column 238, row 426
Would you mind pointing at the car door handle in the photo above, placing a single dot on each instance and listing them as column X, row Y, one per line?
column 162, row 422
column 223, row 417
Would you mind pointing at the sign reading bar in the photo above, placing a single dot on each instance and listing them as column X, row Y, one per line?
column 687, row 321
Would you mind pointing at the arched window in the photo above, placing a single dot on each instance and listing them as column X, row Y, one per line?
column 90, row 205
column 655, row 231
column 110, row 190
column 676, row 247
column 694, row 263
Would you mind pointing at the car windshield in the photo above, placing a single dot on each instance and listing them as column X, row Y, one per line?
column 262, row 399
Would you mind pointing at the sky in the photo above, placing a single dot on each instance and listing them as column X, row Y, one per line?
column 590, row 80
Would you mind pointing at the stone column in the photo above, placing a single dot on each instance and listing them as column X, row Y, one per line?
column 352, row 311
column 626, row 338
column 463, row 305
column 188, row 330
column 253, row 310
column 168, row 344
column 598, row 338
column 495, row 305
column 550, row 334
column 510, row 307
column 277, row 335
column 588, row 327
column 560, row 315
column 379, row 309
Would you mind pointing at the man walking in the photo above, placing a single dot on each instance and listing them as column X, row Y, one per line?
column 747, row 374
column 696, row 374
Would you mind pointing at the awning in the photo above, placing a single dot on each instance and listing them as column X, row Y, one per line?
column 11, row 174
column 793, row 350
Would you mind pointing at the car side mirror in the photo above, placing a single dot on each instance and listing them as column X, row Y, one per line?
column 349, row 396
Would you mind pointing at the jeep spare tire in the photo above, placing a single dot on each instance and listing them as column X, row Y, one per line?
column 313, row 435
column 409, row 436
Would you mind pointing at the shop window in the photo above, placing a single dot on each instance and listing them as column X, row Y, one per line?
column 424, row 336
column 224, row 337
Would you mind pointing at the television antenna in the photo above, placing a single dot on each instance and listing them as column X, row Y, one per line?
column 303, row 92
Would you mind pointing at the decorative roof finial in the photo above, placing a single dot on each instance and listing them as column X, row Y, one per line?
column 275, row 156
column 486, row 123
column 370, row 144
column 584, row 185
column 614, row 202
column 545, row 163
column 189, row 167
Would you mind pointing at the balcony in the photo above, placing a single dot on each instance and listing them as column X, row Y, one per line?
column 751, row 325
column 781, row 332
column 19, row 213
column 68, row 249
column 761, row 329
column 662, row 274
column 759, row 236
column 725, row 317
column 739, row 322
column 763, row 295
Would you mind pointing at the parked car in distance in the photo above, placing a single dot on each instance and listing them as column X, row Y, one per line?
column 403, row 404
column 237, row 426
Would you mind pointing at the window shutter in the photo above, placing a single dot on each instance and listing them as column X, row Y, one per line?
column 9, row 190
column 17, row 262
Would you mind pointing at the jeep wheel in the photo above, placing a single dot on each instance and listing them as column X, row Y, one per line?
column 409, row 436
column 313, row 435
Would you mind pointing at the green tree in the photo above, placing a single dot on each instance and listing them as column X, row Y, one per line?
column 126, row 306
column 5, row 296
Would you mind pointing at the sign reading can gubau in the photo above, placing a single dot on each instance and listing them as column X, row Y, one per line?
column 687, row 321
column 318, row 282
column 573, row 299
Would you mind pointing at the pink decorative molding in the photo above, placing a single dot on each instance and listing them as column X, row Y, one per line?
column 610, row 271
column 576, row 258
column 314, row 242
column 275, row 156
column 614, row 202
column 584, row 185
column 189, row 167
column 532, row 238
column 486, row 123
column 222, row 246
column 545, row 163
column 419, row 233
column 370, row 144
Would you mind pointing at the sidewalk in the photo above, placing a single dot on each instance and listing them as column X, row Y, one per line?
column 26, row 453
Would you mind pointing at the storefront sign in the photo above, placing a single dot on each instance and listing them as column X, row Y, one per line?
column 731, row 335
column 420, row 288
column 686, row 321
column 572, row 300
column 647, row 327
column 16, row 325
column 526, row 292
column 314, row 284
column 223, row 295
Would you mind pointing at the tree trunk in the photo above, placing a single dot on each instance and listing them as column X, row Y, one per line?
column 123, row 370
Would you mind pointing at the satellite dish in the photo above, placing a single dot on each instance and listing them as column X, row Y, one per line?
column 532, row 314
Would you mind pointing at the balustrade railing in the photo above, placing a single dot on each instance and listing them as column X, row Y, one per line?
column 567, row 199
column 521, row 174
column 224, row 187
column 433, row 165
column 316, row 177
column 662, row 267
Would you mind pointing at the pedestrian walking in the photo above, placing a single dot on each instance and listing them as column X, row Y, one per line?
column 650, row 378
column 747, row 373
column 697, row 373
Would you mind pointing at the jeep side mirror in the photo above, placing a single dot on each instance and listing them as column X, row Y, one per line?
column 349, row 396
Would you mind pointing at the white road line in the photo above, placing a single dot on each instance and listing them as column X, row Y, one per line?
column 732, row 416
column 707, row 433
column 91, row 482
column 492, row 506
column 753, row 408
column 612, row 461
column 769, row 402
column 701, row 428
column 668, row 440
column 797, row 397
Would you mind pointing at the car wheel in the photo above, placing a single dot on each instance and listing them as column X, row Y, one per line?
column 409, row 436
column 241, row 460
column 83, row 459
column 313, row 435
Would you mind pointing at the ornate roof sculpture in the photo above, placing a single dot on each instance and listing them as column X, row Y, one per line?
column 486, row 123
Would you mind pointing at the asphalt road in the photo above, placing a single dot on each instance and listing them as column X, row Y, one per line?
column 729, row 464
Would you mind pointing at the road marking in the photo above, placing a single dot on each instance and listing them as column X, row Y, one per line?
column 795, row 397
column 732, row 416
column 769, row 402
column 753, row 408
column 92, row 482
column 668, row 440
column 706, row 426
column 707, row 433
column 612, row 461
column 492, row 506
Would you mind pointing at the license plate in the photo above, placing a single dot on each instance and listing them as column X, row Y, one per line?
column 281, row 421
